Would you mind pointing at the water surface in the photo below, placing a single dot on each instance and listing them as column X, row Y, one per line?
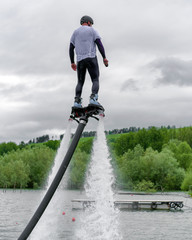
column 16, row 208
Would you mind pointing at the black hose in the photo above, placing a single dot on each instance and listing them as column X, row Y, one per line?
column 50, row 192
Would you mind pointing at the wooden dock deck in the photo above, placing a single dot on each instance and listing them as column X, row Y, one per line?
column 133, row 204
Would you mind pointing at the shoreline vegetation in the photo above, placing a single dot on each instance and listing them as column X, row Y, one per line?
column 148, row 160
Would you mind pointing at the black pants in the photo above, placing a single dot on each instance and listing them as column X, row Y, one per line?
column 91, row 65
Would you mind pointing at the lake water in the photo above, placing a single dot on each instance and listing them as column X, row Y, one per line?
column 16, row 209
column 103, row 222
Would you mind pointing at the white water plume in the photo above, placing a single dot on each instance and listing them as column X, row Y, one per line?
column 101, row 221
column 60, row 153
column 47, row 225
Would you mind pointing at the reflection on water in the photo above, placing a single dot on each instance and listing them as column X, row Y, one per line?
column 17, row 208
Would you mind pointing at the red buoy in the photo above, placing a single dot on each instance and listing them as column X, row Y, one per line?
column 73, row 219
column 63, row 213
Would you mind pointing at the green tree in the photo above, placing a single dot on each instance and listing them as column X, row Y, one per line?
column 187, row 182
column 142, row 138
column 185, row 134
column 184, row 155
column 85, row 144
column 128, row 166
column 182, row 152
column 7, row 147
column 162, row 169
column 26, row 167
column 53, row 144
column 156, row 140
column 22, row 145
column 166, row 173
column 78, row 168
column 145, row 186
column 39, row 159
column 124, row 142
column 20, row 175
column 4, row 182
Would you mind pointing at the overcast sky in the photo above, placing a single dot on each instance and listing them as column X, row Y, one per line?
column 148, row 81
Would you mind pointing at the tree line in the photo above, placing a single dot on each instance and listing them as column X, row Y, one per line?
column 25, row 168
column 46, row 137
column 145, row 159
column 153, row 159
column 28, row 165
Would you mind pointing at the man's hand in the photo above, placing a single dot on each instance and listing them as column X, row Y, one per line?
column 74, row 66
column 105, row 61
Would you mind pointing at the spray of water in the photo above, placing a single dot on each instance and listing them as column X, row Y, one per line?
column 101, row 221
column 42, row 232
column 60, row 153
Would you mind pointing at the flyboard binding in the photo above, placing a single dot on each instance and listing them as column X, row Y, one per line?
column 91, row 110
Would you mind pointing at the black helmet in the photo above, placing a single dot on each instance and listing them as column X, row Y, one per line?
column 86, row 19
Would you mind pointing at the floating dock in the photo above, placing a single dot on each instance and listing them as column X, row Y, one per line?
column 133, row 204
column 149, row 204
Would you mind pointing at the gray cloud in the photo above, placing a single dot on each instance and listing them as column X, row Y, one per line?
column 13, row 91
column 129, row 84
column 33, row 39
column 35, row 35
column 36, row 81
column 173, row 71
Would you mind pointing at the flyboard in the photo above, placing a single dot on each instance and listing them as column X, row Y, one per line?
column 80, row 115
column 90, row 111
